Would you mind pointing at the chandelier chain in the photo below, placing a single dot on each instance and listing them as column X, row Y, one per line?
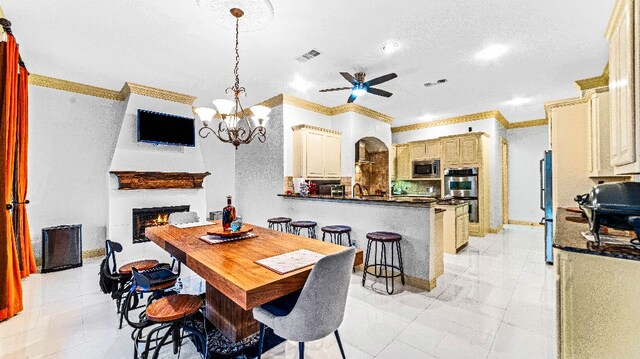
column 236, row 70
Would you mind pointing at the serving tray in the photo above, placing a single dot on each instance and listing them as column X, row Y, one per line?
column 219, row 231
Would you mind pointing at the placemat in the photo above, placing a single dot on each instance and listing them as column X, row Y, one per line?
column 193, row 224
column 211, row 239
column 288, row 262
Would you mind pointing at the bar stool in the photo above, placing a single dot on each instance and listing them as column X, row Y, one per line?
column 384, row 238
column 309, row 225
column 173, row 313
column 336, row 232
column 280, row 224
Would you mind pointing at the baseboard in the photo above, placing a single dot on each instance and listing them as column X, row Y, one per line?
column 495, row 230
column 427, row 285
column 524, row 223
column 91, row 253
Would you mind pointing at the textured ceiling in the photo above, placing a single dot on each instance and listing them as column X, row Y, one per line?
column 173, row 45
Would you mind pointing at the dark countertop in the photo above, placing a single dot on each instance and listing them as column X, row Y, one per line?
column 412, row 202
column 568, row 237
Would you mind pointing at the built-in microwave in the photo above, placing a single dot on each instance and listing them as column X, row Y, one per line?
column 426, row 169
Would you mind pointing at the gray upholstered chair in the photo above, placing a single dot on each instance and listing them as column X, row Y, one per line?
column 183, row 217
column 317, row 310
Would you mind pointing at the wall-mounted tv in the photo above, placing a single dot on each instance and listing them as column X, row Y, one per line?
column 165, row 129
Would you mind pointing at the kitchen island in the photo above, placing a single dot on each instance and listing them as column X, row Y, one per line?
column 414, row 219
column 598, row 291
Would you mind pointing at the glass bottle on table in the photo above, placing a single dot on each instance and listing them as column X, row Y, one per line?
column 228, row 215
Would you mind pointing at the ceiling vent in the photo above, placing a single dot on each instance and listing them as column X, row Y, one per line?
column 308, row 56
column 439, row 82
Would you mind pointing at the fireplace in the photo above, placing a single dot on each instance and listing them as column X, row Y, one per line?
column 149, row 217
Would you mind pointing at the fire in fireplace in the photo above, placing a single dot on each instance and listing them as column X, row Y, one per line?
column 149, row 217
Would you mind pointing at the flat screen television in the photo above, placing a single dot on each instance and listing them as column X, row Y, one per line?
column 165, row 129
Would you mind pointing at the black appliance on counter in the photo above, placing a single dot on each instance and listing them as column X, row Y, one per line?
column 615, row 205
column 333, row 190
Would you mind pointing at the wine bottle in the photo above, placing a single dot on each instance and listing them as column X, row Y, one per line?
column 228, row 215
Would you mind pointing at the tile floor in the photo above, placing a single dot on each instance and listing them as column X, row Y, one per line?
column 495, row 300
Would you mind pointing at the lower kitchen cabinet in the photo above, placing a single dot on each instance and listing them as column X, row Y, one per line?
column 456, row 227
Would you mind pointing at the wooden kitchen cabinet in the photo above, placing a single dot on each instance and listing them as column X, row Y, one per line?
column 465, row 150
column 432, row 149
column 392, row 173
column 469, row 150
column 317, row 152
column 623, row 34
column 451, row 151
column 455, row 227
column 403, row 162
column 598, row 129
column 418, row 150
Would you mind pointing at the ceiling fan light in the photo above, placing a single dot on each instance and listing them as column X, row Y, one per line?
column 359, row 91
column 224, row 106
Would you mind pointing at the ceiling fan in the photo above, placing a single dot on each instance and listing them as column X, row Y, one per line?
column 360, row 87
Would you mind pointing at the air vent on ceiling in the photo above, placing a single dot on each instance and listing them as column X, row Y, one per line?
column 308, row 56
column 439, row 82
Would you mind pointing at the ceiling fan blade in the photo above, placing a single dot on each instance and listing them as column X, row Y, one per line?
column 379, row 92
column 349, row 77
column 381, row 79
column 336, row 89
column 352, row 98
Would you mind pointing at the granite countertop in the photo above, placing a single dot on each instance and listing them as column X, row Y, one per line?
column 568, row 237
column 414, row 202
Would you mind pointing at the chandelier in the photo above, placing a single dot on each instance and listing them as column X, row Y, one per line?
column 235, row 124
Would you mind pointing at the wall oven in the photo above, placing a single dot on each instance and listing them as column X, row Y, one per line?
column 462, row 183
column 426, row 169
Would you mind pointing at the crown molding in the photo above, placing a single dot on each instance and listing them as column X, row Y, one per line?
column 548, row 106
column 127, row 89
column 75, row 87
column 530, row 123
column 325, row 110
column 316, row 128
column 453, row 120
column 132, row 88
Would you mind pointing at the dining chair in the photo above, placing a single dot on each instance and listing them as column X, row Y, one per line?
column 168, row 315
column 317, row 310
column 183, row 217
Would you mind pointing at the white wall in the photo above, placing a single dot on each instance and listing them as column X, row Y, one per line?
column 71, row 142
column 495, row 130
column 526, row 147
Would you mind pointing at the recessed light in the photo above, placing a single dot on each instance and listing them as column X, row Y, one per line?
column 518, row 101
column 390, row 46
column 299, row 83
column 491, row 52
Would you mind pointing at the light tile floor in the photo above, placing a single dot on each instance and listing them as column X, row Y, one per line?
column 495, row 300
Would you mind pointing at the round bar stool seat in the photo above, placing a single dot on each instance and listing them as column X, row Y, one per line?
column 380, row 267
column 159, row 286
column 173, row 307
column 279, row 223
column 336, row 232
column 309, row 225
column 139, row 265
column 384, row 236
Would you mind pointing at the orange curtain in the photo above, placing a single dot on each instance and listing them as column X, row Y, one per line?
column 27, row 259
column 10, row 285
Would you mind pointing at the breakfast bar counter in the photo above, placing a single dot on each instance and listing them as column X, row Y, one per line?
column 413, row 219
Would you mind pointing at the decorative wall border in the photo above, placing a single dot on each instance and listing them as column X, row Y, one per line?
column 530, row 123
column 149, row 91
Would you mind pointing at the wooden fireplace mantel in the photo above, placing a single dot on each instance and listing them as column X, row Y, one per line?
column 159, row 180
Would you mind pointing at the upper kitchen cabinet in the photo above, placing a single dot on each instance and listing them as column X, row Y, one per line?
column 598, row 131
column 317, row 152
column 462, row 150
column 403, row 162
column 424, row 150
column 623, row 35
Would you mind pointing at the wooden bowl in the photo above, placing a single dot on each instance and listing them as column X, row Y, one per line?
column 219, row 231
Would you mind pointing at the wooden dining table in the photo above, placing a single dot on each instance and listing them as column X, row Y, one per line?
column 235, row 282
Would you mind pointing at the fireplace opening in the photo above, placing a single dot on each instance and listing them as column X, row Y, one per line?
column 150, row 217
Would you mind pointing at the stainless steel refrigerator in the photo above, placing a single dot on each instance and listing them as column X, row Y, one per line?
column 546, row 204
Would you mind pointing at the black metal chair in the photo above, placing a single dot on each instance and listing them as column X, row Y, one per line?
column 384, row 238
column 167, row 314
column 310, row 226
column 280, row 224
